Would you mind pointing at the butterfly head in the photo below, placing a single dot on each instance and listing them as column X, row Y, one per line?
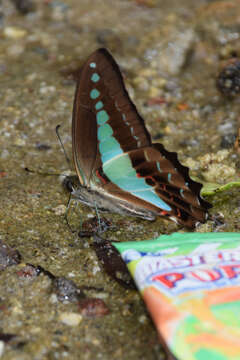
column 71, row 183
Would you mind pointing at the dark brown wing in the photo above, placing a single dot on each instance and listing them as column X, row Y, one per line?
column 111, row 146
column 172, row 183
column 167, row 179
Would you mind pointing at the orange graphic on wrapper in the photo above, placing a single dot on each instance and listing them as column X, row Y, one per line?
column 165, row 315
column 215, row 341
column 223, row 295
column 219, row 335
column 169, row 317
column 201, row 307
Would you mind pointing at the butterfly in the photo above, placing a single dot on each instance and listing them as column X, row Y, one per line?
column 119, row 169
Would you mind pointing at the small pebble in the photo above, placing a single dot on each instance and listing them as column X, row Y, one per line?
column 13, row 32
column 219, row 173
column 8, row 256
column 1, row 348
column 91, row 307
column 102, row 295
column 45, row 89
column 66, row 290
column 70, row 319
column 228, row 80
column 53, row 298
column 24, row 6
column 28, row 271
column 227, row 141
column 20, row 142
column 170, row 56
column 59, row 210
column 210, row 158
column 15, row 50
column 31, row 77
column 96, row 269
column 42, row 146
column 142, row 319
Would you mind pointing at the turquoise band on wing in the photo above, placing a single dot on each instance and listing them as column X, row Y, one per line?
column 94, row 94
column 102, row 117
column 115, row 170
column 117, row 165
column 95, row 77
column 109, row 147
column 158, row 166
column 104, row 133
column 99, row 105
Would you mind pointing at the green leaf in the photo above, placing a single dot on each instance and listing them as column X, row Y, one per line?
column 209, row 189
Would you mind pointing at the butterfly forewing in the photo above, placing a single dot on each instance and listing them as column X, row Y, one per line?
column 100, row 87
column 84, row 136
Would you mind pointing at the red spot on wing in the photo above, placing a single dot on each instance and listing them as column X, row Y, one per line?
column 152, row 178
column 100, row 177
column 179, row 213
column 146, row 177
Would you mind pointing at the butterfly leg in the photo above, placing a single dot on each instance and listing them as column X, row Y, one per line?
column 100, row 228
column 66, row 214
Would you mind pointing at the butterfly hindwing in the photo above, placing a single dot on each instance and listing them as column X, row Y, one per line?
column 171, row 182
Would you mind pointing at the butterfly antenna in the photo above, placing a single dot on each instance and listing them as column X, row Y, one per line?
column 62, row 146
column 41, row 173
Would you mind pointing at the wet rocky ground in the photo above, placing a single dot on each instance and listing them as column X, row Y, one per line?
column 56, row 301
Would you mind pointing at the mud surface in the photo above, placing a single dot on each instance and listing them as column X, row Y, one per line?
column 170, row 53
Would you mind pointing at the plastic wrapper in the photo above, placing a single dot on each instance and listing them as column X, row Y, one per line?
column 190, row 283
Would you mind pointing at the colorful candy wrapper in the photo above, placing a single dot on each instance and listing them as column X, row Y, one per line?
column 190, row 283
